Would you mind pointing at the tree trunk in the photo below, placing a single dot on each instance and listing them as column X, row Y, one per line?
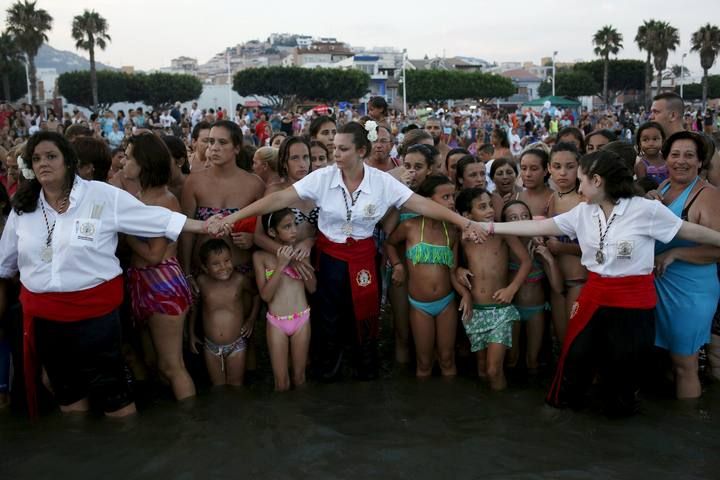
column 705, row 88
column 32, row 73
column 605, row 81
column 648, row 78
column 93, row 79
column 659, row 81
column 6, row 87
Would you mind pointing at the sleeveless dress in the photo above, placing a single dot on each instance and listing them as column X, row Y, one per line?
column 687, row 294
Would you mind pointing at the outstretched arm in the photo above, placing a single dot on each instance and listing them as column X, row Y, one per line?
column 434, row 210
column 698, row 233
column 526, row 228
column 271, row 203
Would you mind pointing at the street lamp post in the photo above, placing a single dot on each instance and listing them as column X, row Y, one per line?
column 682, row 73
column 404, row 82
column 553, row 72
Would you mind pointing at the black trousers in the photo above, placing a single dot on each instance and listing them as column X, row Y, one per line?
column 334, row 326
column 618, row 345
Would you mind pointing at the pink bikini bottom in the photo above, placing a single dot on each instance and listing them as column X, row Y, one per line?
column 289, row 324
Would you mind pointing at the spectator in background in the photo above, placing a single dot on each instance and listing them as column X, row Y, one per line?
column 116, row 136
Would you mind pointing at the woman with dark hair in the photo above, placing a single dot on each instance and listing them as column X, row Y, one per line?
column 500, row 143
column 221, row 189
column 572, row 135
column 94, row 158
column 686, row 280
column 323, row 129
column 160, row 295
column 451, row 160
column 612, row 326
column 71, row 279
column 180, row 165
column 293, row 165
column 596, row 140
column 352, row 198
column 470, row 173
column 503, row 173
column 534, row 172
column 378, row 109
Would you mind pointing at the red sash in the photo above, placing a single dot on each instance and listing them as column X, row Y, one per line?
column 636, row 292
column 360, row 257
column 61, row 307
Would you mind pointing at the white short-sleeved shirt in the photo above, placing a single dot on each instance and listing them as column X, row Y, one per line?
column 377, row 192
column 84, row 240
column 630, row 241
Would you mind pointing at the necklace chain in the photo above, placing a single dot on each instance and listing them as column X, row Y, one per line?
column 348, row 212
column 562, row 194
column 50, row 230
column 607, row 227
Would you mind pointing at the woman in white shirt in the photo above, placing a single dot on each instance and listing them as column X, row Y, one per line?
column 352, row 198
column 612, row 323
column 61, row 237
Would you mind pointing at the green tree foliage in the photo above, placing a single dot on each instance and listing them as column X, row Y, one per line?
column 694, row 91
column 11, row 57
column 285, row 86
column 29, row 26
column 571, row 84
column 607, row 41
column 666, row 40
column 706, row 41
column 89, row 30
column 439, row 85
column 155, row 89
column 623, row 75
column 645, row 39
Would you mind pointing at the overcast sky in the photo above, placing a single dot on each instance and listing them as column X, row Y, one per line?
column 149, row 33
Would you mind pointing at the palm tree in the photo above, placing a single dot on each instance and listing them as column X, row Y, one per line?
column 90, row 30
column 10, row 54
column 644, row 39
column 29, row 26
column 706, row 41
column 607, row 41
column 665, row 39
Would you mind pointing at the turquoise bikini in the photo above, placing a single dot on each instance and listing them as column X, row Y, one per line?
column 428, row 254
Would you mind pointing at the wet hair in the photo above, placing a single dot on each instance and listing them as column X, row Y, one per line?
column 648, row 126
column 454, row 151
column 413, row 137
column 611, row 137
column 576, row 133
column 244, row 159
column 542, row 154
column 461, row 165
column 500, row 133
column 4, row 201
column 566, row 147
column 510, row 204
column 315, row 143
column 501, row 162
column 464, row 200
column 153, row 157
column 617, row 177
column 486, row 148
column 272, row 220
column 275, row 135
column 91, row 150
column 359, row 136
column 700, row 146
column 428, row 152
column 236, row 137
column 284, row 153
column 317, row 124
column 202, row 125
column 624, row 150
column 26, row 197
column 269, row 155
column 214, row 245
column 178, row 150
column 379, row 102
column 673, row 100
column 429, row 185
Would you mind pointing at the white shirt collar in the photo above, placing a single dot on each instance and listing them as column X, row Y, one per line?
column 364, row 186
column 618, row 209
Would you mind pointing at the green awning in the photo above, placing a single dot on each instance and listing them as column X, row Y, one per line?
column 554, row 101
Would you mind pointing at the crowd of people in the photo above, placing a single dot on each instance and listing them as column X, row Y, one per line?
column 577, row 241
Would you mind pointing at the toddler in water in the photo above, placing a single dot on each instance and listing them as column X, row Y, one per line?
column 226, row 329
column 490, row 328
column 530, row 298
column 431, row 252
column 283, row 288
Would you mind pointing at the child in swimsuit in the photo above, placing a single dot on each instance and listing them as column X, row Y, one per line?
column 564, row 162
column 530, row 298
column 650, row 163
column 224, row 323
column 283, row 287
column 490, row 327
column 431, row 252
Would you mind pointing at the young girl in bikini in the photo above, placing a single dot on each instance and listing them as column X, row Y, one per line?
column 283, row 288
column 650, row 163
column 431, row 251
column 564, row 161
column 226, row 327
column 530, row 298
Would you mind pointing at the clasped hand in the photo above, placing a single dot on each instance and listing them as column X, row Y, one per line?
column 216, row 227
